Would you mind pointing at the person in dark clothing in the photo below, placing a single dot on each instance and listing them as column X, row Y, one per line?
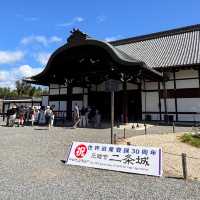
column 83, row 117
column 21, row 115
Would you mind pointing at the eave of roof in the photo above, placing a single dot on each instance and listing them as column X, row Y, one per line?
column 175, row 48
column 117, row 55
column 155, row 35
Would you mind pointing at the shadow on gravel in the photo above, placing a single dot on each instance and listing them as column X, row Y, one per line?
column 174, row 177
column 41, row 129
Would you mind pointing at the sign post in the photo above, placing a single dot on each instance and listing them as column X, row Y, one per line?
column 112, row 114
column 112, row 86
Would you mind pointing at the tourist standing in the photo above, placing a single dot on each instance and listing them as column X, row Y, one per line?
column 13, row 114
column 32, row 116
column 76, row 116
column 83, row 117
column 52, row 116
column 21, row 115
column 41, row 117
column 97, row 121
column 49, row 116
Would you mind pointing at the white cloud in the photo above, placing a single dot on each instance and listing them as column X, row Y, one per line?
column 73, row 21
column 7, row 57
column 41, row 39
column 3, row 75
column 26, row 71
column 112, row 38
column 8, row 78
column 101, row 18
column 55, row 39
column 42, row 57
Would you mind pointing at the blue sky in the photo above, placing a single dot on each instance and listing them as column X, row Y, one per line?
column 32, row 29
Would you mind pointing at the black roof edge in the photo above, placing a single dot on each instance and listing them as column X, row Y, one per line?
column 156, row 35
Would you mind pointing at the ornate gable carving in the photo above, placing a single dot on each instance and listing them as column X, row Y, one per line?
column 76, row 37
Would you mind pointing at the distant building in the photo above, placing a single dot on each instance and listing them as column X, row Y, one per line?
column 1, row 106
column 7, row 103
column 157, row 75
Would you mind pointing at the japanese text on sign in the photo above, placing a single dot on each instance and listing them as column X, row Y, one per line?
column 133, row 159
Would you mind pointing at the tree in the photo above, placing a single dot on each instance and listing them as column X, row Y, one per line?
column 23, row 88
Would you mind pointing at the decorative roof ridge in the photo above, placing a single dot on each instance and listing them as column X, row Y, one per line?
column 155, row 35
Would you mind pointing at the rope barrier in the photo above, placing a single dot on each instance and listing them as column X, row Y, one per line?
column 181, row 155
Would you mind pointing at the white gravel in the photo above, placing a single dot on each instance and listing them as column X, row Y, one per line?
column 30, row 168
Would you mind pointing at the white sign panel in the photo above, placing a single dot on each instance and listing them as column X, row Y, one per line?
column 133, row 159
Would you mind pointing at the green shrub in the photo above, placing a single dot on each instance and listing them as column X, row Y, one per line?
column 193, row 140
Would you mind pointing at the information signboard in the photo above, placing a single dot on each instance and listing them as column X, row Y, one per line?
column 133, row 159
column 112, row 85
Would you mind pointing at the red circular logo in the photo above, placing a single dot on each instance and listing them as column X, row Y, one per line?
column 80, row 151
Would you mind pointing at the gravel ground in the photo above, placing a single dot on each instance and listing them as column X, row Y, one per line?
column 30, row 168
column 172, row 149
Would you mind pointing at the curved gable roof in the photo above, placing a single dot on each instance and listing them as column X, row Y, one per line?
column 117, row 55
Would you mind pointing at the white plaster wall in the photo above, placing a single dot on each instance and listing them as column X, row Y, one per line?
column 187, row 74
column 189, row 117
column 191, row 83
column 77, row 90
column 188, row 104
column 55, row 103
column 63, row 90
column 102, row 87
column 53, row 91
column 65, row 85
column 150, row 86
column 45, row 100
column 168, row 85
column 152, row 101
column 63, row 105
column 131, row 86
column 170, row 105
column 53, row 86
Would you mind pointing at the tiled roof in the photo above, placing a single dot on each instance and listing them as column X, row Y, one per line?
column 176, row 47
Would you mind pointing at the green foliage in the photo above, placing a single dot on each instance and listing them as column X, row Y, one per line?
column 7, row 92
column 193, row 140
column 22, row 89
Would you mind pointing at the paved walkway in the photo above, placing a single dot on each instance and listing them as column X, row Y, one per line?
column 30, row 168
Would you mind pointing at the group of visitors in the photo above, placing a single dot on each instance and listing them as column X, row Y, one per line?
column 23, row 115
column 86, row 117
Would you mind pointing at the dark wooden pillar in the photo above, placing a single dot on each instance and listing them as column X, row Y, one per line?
column 125, row 102
column 159, row 104
column 165, row 99
column 69, row 102
column 199, row 76
column 3, row 111
column 175, row 99
column 139, row 102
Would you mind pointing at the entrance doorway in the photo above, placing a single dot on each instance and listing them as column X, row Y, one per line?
column 102, row 102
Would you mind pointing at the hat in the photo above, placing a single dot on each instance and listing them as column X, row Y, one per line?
column 48, row 107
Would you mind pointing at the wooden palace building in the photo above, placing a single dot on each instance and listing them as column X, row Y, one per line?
column 157, row 76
